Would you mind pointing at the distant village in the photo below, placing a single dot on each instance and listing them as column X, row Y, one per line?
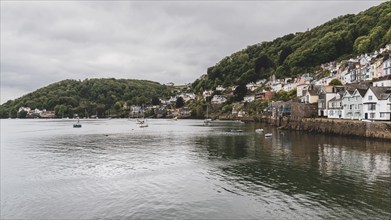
column 364, row 93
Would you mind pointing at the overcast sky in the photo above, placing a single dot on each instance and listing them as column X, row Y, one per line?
column 43, row 42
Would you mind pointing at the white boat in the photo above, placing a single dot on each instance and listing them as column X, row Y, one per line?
column 259, row 130
column 144, row 125
column 268, row 135
column 236, row 130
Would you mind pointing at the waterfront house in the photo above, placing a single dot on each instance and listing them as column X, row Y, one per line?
column 325, row 95
column 334, row 107
column 352, row 107
column 377, row 103
column 310, row 96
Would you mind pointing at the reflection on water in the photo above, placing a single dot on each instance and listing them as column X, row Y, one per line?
column 182, row 169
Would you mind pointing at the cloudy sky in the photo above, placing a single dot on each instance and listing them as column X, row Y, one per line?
column 44, row 42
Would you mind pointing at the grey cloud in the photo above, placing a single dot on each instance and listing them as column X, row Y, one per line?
column 43, row 42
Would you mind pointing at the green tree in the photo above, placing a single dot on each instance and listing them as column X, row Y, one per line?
column 239, row 92
column 179, row 102
column 155, row 101
column 22, row 114
column 335, row 82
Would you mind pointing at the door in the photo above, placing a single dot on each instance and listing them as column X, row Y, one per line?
column 366, row 116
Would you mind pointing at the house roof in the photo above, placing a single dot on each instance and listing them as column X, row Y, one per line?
column 362, row 92
column 381, row 93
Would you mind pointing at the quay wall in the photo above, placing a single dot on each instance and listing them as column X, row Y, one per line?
column 380, row 130
column 377, row 129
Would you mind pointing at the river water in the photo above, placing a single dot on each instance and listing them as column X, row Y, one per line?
column 183, row 169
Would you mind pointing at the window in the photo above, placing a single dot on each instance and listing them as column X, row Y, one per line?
column 382, row 115
column 372, row 115
column 370, row 98
column 350, row 107
column 372, row 107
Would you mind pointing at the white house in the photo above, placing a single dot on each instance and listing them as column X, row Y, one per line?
column 276, row 87
column 249, row 98
column 334, row 107
column 252, row 86
column 218, row 99
column 301, row 88
column 377, row 103
column 326, row 93
column 382, row 83
column 207, row 93
column 288, row 87
column 387, row 67
column 352, row 107
column 220, row 88
column 26, row 109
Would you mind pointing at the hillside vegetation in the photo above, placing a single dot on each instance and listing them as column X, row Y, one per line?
column 294, row 54
column 87, row 97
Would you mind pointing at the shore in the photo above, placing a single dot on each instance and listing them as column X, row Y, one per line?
column 376, row 129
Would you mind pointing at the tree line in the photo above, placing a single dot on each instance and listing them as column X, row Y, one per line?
column 88, row 97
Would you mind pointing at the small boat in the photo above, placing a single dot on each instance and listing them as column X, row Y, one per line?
column 143, row 125
column 207, row 121
column 236, row 130
column 268, row 135
column 259, row 130
column 77, row 125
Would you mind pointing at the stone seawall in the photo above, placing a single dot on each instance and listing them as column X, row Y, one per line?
column 339, row 127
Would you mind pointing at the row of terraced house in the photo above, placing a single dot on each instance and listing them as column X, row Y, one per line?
column 371, row 101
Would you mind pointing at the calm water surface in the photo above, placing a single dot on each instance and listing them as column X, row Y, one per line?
column 182, row 169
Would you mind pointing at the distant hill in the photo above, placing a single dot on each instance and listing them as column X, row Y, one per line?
column 87, row 97
column 293, row 54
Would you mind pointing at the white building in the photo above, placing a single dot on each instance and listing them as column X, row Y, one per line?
column 352, row 107
column 335, row 107
column 382, row 83
column 249, row 98
column 218, row 99
column 300, row 89
column 377, row 103
column 387, row 67
column 220, row 88
column 26, row 109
